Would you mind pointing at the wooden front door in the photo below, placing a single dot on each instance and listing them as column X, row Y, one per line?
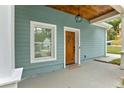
column 70, row 47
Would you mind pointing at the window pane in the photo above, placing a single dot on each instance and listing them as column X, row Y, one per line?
column 41, row 34
column 42, row 42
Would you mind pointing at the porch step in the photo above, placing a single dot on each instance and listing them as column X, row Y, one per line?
column 107, row 58
column 104, row 59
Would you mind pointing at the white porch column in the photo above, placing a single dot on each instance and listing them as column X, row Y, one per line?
column 122, row 42
column 5, row 41
column 9, row 75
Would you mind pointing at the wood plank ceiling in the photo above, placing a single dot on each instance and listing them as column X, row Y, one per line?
column 88, row 12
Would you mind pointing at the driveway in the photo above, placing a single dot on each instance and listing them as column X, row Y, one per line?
column 91, row 74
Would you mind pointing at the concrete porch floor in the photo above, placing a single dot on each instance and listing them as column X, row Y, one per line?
column 89, row 75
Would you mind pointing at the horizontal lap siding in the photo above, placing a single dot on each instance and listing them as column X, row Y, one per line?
column 93, row 44
column 92, row 38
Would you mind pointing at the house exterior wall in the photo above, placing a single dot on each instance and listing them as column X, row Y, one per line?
column 92, row 38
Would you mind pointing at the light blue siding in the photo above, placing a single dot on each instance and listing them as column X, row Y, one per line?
column 92, row 37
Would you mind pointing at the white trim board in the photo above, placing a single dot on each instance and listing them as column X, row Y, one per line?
column 77, row 45
column 100, row 21
column 105, row 42
column 105, row 17
column 118, row 8
column 13, row 35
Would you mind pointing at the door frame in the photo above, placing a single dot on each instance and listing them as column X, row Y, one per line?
column 77, row 47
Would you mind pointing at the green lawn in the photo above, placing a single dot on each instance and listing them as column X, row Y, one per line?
column 116, row 61
column 113, row 49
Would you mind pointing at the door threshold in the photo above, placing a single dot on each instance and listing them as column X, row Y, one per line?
column 72, row 66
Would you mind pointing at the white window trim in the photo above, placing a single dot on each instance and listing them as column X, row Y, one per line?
column 38, row 60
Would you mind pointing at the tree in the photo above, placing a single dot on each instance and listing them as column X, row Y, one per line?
column 114, row 30
column 111, row 34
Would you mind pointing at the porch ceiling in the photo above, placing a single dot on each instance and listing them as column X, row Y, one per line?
column 88, row 12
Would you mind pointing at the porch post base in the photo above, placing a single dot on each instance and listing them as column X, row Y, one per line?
column 122, row 61
column 122, row 42
column 121, row 67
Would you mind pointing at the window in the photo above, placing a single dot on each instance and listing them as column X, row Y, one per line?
column 43, row 42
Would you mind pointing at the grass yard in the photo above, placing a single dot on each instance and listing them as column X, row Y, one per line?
column 116, row 61
column 113, row 49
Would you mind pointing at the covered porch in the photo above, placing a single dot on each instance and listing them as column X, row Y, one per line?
column 84, row 73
